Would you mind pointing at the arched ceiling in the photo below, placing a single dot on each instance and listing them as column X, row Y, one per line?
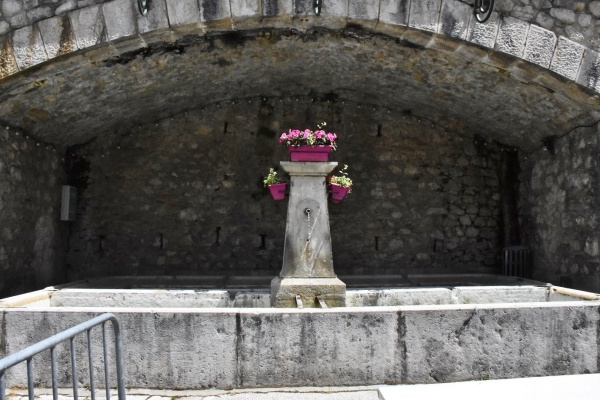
column 466, row 88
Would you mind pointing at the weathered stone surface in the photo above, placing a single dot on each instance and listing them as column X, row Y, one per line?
column 28, row 47
column 156, row 18
column 182, row 12
column 595, row 8
column 244, row 8
column 512, row 35
column 251, row 348
column 363, row 9
column 484, row 34
column 442, row 347
column 337, row 8
column 293, row 341
column 52, row 31
column 87, row 26
column 284, row 291
column 8, row 64
column 567, row 58
column 454, row 19
column 213, row 10
column 394, row 12
column 564, row 15
column 119, row 19
column 150, row 346
column 540, row 46
column 425, row 15
column 492, row 294
column 589, row 72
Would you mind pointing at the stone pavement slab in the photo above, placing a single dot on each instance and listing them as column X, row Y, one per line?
column 580, row 387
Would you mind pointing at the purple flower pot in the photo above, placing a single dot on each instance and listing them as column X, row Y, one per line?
column 278, row 191
column 338, row 192
column 309, row 153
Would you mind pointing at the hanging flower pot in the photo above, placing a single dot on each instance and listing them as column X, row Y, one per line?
column 309, row 153
column 338, row 192
column 340, row 185
column 276, row 185
column 278, row 190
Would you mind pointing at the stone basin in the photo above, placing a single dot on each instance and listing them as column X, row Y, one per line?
column 191, row 333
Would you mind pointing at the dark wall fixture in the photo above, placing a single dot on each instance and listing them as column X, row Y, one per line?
column 483, row 10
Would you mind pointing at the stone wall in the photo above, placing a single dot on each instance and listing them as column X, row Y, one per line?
column 561, row 204
column 184, row 196
column 32, row 240
column 576, row 20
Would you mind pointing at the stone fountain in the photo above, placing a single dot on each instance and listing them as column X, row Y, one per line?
column 307, row 278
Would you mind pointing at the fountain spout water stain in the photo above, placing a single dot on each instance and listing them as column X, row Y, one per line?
column 307, row 258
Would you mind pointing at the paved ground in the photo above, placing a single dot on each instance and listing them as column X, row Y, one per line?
column 579, row 387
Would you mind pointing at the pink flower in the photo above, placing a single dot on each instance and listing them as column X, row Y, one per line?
column 331, row 136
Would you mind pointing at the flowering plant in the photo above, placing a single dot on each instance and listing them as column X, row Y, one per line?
column 272, row 178
column 343, row 179
column 306, row 137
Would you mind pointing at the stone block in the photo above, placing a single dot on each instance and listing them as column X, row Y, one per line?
column 454, row 19
column 595, row 8
column 499, row 294
column 398, row 297
column 182, row 12
column 394, row 12
column 213, row 10
column 87, row 26
column 284, row 291
column 8, row 63
column 155, row 19
column 178, row 340
column 335, row 8
column 425, row 15
column 444, row 347
column 119, row 19
column 303, row 7
column 540, row 46
column 512, row 36
column 273, row 8
column 361, row 9
column 303, row 348
column 567, row 58
column 484, row 34
column 57, row 34
column 245, row 8
column 28, row 47
column 589, row 72
column 4, row 27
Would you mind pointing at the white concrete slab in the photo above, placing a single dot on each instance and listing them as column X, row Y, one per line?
column 580, row 387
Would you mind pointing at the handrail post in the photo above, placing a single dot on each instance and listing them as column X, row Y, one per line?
column 50, row 343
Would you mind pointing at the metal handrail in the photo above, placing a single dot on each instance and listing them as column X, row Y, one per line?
column 50, row 343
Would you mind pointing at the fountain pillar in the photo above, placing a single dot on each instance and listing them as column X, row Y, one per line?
column 307, row 258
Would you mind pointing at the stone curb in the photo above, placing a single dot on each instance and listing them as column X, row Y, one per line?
column 119, row 19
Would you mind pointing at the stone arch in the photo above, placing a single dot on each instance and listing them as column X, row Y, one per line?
column 112, row 21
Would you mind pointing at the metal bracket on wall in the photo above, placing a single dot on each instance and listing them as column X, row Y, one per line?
column 143, row 6
column 483, row 10
column 317, row 6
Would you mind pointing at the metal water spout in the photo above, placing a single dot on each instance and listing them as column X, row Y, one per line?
column 307, row 269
